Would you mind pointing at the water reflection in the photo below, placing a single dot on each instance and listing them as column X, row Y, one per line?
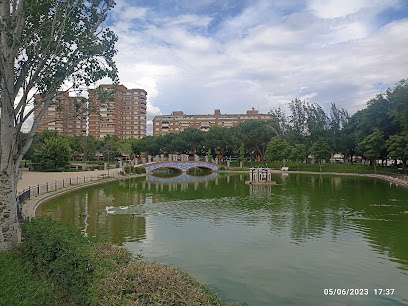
column 319, row 230
column 182, row 178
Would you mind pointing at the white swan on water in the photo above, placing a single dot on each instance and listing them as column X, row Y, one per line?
column 109, row 209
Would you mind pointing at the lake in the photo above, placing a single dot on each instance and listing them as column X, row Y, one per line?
column 263, row 245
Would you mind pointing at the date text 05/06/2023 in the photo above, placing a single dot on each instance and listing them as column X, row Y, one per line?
column 358, row 291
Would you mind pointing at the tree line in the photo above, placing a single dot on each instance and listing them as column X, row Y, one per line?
column 377, row 132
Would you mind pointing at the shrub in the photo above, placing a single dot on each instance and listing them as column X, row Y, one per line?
column 128, row 169
column 60, row 253
column 145, row 283
column 19, row 287
column 102, row 274
column 140, row 170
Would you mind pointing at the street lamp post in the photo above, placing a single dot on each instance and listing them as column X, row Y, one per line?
column 108, row 164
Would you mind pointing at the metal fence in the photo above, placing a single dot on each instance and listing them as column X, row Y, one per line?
column 40, row 189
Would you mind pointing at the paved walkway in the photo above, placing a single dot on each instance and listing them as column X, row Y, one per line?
column 33, row 178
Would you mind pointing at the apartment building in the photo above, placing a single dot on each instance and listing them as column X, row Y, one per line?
column 124, row 115
column 178, row 121
column 67, row 115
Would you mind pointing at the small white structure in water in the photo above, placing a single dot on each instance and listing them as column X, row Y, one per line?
column 260, row 175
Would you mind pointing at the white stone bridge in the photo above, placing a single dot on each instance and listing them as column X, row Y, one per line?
column 180, row 165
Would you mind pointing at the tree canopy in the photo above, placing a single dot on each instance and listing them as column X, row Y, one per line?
column 44, row 46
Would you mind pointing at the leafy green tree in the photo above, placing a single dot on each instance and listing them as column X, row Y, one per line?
column 209, row 155
column 217, row 138
column 178, row 145
column 298, row 154
column 256, row 135
column 85, row 145
column 54, row 154
column 43, row 44
column 277, row 149
column 38, row 142
column 376, row 116
column 372, row 146
column 321, row 151
column 242, row 153
column 307, row 122
column 126, row 145
column 317, row 122
column 398, row 148
column 398, row 110
column 338, row 118
column 193, row 138
column 280, row 122
column 297, row 121
column 109, row 147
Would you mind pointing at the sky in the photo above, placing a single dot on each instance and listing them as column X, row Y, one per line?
column 201, row 55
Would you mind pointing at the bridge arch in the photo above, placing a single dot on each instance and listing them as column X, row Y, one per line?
column 183, row 166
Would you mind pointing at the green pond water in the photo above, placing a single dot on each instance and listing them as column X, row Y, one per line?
column 260, row 245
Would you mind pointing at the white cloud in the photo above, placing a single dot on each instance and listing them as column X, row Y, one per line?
column 190, row 20
column 263, row 59
column 341, row 8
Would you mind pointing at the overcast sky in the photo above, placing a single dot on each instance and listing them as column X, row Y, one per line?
column 196, row 56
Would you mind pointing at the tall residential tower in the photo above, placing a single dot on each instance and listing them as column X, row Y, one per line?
column 124, row 116
column 67, row 115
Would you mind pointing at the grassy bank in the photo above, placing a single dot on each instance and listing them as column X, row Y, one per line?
column 56, row 265
column 336, row 167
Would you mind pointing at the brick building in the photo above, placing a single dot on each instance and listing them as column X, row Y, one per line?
column 178, row 121
column 125, row 116
column 67, row 115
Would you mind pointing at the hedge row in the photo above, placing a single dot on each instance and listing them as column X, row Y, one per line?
column 136, row 170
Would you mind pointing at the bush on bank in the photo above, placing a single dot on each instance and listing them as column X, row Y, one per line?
column 19, row 287
column 136, row 170
column 61, row 254
column 88, row 273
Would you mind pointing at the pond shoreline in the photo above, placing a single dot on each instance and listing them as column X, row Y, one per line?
column 30, row 206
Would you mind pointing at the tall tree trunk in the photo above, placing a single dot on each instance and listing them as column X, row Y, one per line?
column 8, row 209
column 9, row 173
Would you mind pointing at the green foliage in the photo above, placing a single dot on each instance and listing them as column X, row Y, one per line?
column 54, row 153
column 256, row 135
column 398, row 110
column 153, row 284
column 278, row 149
column 140, row 170
column 372, row 145
column 298, row 153
column 398, row 147
column 136, row 170
column 86, row 145
column 242, row 152
column 109, row 147
column 321, row 151
column 86, row 273
column 60, row 253
column 19, row 287
column 38, row 141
